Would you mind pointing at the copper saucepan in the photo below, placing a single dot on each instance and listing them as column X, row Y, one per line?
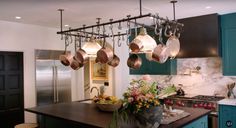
column 105, row 54
column 115, row 60
column 76, row 64
column 80, row 54
column 134, row 61
column 66, row 58
column 136, row 45
column 160, row 53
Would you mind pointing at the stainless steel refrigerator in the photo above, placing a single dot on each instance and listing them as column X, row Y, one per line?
column 53, row 80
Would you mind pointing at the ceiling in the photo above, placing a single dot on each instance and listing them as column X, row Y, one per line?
column 79, row 12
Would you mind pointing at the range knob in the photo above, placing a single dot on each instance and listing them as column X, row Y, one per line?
column 195, row 105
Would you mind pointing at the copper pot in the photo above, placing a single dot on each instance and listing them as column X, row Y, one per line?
column 66, row 58
column 160, row 53
column 134, row 61
column 81, row 56
column 136, row 45
column 115, row 61
column 105, row 54
column 75, row 64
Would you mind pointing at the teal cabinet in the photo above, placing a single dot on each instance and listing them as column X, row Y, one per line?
column 227, row 116
column 200, row 123
column 152, row 67
column 228, row 34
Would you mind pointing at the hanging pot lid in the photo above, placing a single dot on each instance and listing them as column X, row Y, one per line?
column 148, row 43
column 91, row 47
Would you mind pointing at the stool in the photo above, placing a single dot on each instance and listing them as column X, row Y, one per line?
column 27, row 125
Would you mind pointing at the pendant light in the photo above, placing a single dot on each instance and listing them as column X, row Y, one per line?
column 91, row 47
column 143, row 42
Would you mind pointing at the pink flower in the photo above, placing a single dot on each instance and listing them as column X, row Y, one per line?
column 141, row 97
column 146, row 77
column 134, row 92
column 130, row 99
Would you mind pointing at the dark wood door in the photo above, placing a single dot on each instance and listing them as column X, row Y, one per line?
column 11, row 89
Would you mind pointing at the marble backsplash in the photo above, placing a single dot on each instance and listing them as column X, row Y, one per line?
column 202, row 76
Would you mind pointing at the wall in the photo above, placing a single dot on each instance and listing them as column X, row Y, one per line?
column 27, row 38
column 207, row 81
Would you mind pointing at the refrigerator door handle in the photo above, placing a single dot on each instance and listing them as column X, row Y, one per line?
column 56, row 84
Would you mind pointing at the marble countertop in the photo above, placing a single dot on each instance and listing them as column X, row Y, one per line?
column 227, row 102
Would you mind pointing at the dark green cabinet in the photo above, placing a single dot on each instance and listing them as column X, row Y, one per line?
column 152, row 67
column 228, row 34
column 227, row 116
column 199, row 123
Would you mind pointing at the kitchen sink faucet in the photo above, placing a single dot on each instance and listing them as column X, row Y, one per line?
column 96, row 89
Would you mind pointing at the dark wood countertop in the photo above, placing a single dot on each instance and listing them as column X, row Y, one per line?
column 88, row 114
column 195, row 113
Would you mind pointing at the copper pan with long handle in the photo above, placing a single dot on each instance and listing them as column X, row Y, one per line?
column 115, row 60
column 80, row 54
column 76, row 64
column 66, row 57
column 160, row 53
column 105, row 54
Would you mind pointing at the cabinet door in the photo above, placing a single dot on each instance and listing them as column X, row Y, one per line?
column 227, row 116
column 229, row 47
column 200, row 123
column 228, row 32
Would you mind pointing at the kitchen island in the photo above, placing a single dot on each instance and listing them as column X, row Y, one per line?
column 85, row 115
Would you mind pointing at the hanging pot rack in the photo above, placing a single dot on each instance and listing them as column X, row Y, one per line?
column 120, row 21
column 170, row 27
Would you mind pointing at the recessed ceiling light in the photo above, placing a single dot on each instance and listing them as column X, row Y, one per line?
column 208, row 7
column 18, row 17
column 66, row 25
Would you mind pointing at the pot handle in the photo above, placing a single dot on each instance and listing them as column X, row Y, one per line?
column 119, row 38
column 128, row 32
column 166, row 28
column 104, row 36
column 68, row 41
column 112, row 35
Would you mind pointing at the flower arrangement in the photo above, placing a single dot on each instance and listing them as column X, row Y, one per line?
column 142, row 98
column 140, row 95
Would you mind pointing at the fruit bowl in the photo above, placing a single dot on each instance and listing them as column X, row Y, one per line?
column 108, row 107
column 107, row 103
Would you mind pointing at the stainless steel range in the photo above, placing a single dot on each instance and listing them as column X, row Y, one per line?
column 199, row 101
